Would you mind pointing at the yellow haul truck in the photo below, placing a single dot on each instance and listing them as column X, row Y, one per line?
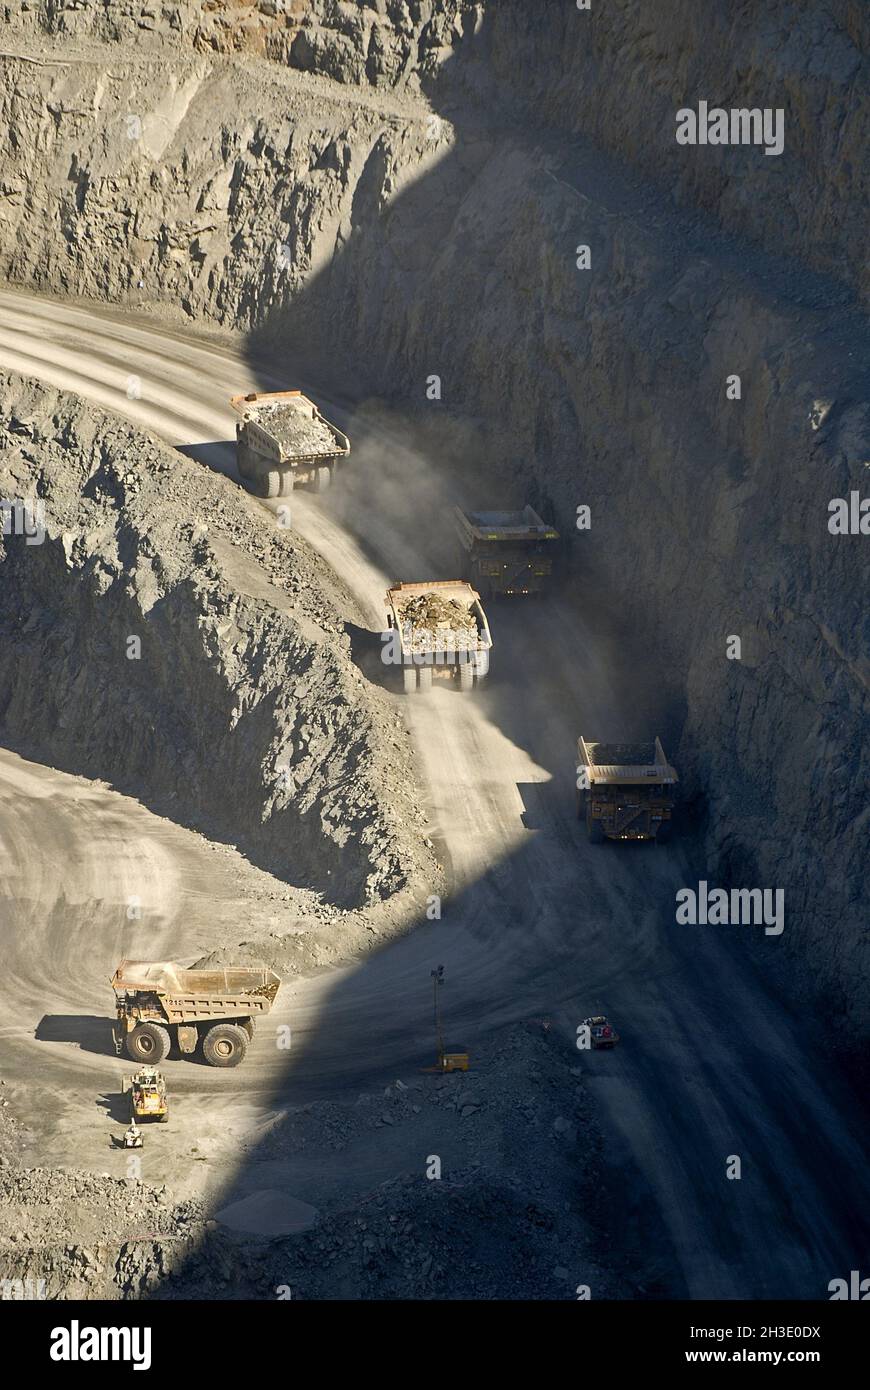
column 159, row 1002
column 625, row 791
column 505, row 552
column 437, row 630
column 283, row 441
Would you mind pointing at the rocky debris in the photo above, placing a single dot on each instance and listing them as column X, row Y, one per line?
column 357, row 43
column 432, row 622
column 510, row 1207
column 273, row 181
column 301, row 433
column 237, row 706
column 14, row 1138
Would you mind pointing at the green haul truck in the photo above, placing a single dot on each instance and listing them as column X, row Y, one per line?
column 625, row 791
column 505, row 552
column 159, row 1002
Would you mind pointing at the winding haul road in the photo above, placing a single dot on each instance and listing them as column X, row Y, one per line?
column 538, row 922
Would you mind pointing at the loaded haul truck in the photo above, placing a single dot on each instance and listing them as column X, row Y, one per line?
column 283, row 441
column 159, row 1002
column 625, row 791
column 439, row 631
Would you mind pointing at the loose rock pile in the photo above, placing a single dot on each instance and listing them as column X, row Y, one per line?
column 431, row 621
column 301, row 433
column 510, row 1212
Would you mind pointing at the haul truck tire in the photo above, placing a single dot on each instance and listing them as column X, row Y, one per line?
column 409, row 679
column 148, row 1042
column 225, row 1045
column 581, row 803
column 466, row 675
column 267, row 484
column 424, row 679
column 323, row 479
column 248, row 1025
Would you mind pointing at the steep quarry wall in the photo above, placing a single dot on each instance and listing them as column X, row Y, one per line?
column 158, row 637
column 426, row 219
column 376, row 42
column 220, row 187
column 616, row 75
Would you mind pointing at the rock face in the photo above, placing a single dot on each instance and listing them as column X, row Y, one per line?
column 377, row 43
column 666, row 334
column 184, row 653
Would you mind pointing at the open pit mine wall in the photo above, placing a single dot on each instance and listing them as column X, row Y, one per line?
column 238, row 715
column 416, row 246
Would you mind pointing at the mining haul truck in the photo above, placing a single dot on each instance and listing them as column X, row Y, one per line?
column 159, row 1002
column 505, row 552
column 438, row 631
column 283, row 441
column 625, row 791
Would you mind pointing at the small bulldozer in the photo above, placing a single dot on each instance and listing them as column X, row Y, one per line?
column 147, row 1092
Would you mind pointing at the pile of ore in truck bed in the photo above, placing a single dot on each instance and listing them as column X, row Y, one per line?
column 432, row 621
column 297, row 429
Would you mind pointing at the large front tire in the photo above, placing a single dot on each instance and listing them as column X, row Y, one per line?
column 225, row 1045
column 466, row 676
column 148, row 1042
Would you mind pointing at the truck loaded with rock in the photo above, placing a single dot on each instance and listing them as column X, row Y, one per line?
column 283, row 441
column 437, row 629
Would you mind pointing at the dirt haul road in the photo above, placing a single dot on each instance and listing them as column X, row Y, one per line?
column 538, row 923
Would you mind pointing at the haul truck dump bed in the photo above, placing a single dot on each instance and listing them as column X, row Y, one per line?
column 159, row 1002
column 625, row 791
column 505, row 552
column 283, row 441
column 439, row 631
